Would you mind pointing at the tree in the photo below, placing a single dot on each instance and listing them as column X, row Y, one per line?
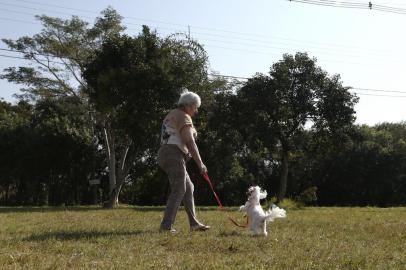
column 296, row 94
column 132, row 84
column 47, row 152
column 14, row 120
column 58, row 54
column 368, row 170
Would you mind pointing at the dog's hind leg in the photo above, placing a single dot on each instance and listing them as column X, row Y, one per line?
column 264, row 228
column 254, row 228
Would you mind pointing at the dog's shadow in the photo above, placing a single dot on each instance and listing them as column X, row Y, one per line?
column 233, row 234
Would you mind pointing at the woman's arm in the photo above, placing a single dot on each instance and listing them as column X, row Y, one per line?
column 187, row 138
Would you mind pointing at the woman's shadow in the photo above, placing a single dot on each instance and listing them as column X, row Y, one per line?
column 81, row 235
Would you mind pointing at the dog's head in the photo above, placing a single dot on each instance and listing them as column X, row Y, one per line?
column 255, row 193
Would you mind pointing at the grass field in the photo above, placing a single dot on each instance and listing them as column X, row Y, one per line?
column 128, row 238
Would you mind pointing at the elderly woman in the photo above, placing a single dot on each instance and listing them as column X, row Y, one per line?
column 177, row 146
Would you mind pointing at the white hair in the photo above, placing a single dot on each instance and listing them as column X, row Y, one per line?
column 189, row 98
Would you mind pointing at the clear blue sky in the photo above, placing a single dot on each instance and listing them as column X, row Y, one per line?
column 366, row 47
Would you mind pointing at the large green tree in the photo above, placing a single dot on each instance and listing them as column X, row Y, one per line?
column 132, row 83
column 296, row 94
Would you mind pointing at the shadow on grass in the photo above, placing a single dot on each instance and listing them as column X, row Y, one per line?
column 38, row 209
column 80, row 235
column 181, row 208
column 232, row 234
column 149, row 208
column 45, row 209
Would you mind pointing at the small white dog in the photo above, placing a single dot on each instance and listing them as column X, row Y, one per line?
column 257, row 218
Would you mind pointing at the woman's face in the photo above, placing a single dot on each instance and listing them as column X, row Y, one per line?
column 191, row 110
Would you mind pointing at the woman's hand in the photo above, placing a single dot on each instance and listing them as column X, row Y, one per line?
column 202, row 168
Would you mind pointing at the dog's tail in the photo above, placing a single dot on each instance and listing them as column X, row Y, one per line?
column 275, row 212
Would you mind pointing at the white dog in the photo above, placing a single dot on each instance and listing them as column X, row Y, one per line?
column 257, row 218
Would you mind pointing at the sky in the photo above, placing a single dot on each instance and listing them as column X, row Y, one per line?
column 365, row 47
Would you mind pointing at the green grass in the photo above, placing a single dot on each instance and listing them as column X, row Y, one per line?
column 128, row 238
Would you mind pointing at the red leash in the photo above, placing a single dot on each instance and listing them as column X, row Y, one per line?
column 207, row 178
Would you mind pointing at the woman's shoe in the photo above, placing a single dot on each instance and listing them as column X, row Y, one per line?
column 172, row 231
column 199, row 227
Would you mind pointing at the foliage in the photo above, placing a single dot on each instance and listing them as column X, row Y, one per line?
column 93, row 101
column 274, row 109
column 47, row 158
column 58, row 54
column 132, row 83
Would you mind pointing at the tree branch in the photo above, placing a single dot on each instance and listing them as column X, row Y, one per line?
column 68, row 66
column 61, row 82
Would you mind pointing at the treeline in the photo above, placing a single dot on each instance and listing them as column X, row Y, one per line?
column 86, row 127
column 48, row 155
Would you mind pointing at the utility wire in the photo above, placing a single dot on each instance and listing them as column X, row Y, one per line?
column 211, row 74
column 349, row 53
column 238, row 78
column 15, row 57
column 23, row 58
column 378, row 90
column 330, row 4
column 16, row 20
column 337, row 4
column 254, row 51
column 168, row 23
column 352, row 88
column 355, row 5
column 363, row 94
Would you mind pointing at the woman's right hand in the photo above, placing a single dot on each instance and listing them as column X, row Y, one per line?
column 202, row 168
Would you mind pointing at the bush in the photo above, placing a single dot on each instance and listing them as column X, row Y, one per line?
column 309, row 195
column 287, row 204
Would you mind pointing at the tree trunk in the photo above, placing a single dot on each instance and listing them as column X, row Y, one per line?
column 111, row 156
column 284, row 174
column 121, row 174
column 113, row 198
column 116, row 175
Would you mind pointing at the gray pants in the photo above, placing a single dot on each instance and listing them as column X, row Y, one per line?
column 172, row 160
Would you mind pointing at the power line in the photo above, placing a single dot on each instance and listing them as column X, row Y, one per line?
column 246, row 44
column 53, row 5
column 355, row 5
column 242, row 78
column 378, row 90
column 185, row 26
column 21, row 51
column 16, row 20
column 363, row 94
column 211, row 74
column 235, row 77
column 255, row 41
column 28, row 59
column 352, row 88
column 333, row 4
column 228, row 76
column 10, row 56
